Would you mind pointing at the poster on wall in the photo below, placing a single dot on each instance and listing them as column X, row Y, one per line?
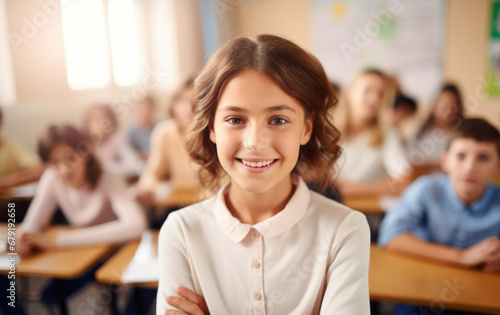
column 493, row 66
column 401, row 37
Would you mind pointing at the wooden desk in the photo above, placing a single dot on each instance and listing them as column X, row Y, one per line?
column 180, row 197
column 403, row 279
column 364, row 204
column 68, row 263
column 112, row 270
column 111, row 273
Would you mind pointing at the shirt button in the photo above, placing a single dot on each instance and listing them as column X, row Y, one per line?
column 255, row 264
column 257, row 296
column 256, row 233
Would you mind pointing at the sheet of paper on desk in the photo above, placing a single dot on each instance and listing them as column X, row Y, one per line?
column 27, row 190
column 7, row 260
column 144, row 266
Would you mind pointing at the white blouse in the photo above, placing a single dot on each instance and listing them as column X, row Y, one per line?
column 360, row 163
column 103, row 214
column 310, row 258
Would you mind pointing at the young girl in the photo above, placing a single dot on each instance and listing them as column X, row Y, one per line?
column 111, row 146
column 373, row 162
column 265, row 244
column 94, row 202
column 430, row 142
column 169, row 159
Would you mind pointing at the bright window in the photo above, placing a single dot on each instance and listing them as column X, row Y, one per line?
column 86, row 41
column 85, row 44
column 125, row 48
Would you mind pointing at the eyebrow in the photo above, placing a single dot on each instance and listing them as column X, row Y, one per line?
column 276, row 108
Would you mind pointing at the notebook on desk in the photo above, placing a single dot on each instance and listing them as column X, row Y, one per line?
column 144, row 266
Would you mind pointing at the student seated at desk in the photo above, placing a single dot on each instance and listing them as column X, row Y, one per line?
column 169, row 159
column 139, row 131
column 453, row 218
column 93, row 201
column 17, row 166
column 111, row 146
column 373, row 160
column 428, row 143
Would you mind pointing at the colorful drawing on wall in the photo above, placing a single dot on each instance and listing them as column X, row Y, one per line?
column 403, row 38
column 493, row 66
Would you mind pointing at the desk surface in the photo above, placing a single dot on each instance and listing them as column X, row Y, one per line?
column 180, row 198
column 364, row 204
column 399, row 278
column 112, row 270
column 66, row 263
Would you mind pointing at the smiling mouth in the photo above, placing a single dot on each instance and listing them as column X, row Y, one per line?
column 258, row 164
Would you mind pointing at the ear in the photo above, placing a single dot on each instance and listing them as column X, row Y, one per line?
column 444, row 162
column 308, row 128
column 212, row 133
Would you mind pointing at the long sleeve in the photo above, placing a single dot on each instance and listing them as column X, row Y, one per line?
column 406, row 216
column 347, row 275
column 157, row 166
column 175, row 269
column 43, row 205
column 129, row 224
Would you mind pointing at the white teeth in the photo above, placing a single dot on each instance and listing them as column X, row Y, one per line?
column 257, row 164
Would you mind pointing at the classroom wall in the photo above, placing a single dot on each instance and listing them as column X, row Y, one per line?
column 39, row 66
column 464, row 51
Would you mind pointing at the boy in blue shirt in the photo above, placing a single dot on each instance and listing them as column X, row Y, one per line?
column 453, row 218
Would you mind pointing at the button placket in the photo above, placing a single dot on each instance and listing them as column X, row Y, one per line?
column 257, row 274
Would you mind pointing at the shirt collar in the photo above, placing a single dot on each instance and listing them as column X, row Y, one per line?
column 272, row 227
column 477, row 207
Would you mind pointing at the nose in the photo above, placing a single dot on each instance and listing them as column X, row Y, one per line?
column 470, row 165
column 257, row 138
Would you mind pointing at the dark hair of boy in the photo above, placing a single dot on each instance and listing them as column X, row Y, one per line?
column 403, row 101
column 478, row 129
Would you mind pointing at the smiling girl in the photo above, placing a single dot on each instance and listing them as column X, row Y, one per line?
column 265, row 244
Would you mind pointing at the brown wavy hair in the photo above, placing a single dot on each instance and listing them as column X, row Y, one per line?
column 76, row 140
column 297, row 72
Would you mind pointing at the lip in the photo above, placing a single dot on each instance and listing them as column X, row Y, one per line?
column 469, row 180
column 256, row 169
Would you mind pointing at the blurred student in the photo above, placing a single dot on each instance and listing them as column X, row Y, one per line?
column 111, row 146
column 453, row 218
column 403, row 110
column 373, row 160
column 140, row 130
column 169, row 159
column 93, row 201
column 17, row 165
column 429, row 142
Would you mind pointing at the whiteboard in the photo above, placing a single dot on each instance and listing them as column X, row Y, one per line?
column 401, row 37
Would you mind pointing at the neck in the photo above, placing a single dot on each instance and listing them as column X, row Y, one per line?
column 471, row 196
column 252, row 208
column 357, row 126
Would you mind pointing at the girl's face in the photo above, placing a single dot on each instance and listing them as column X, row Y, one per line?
column 446, row 108
column 182, row 109
column 366, row 96
column 258, row 130
column 68, row 165
column 99, row 125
